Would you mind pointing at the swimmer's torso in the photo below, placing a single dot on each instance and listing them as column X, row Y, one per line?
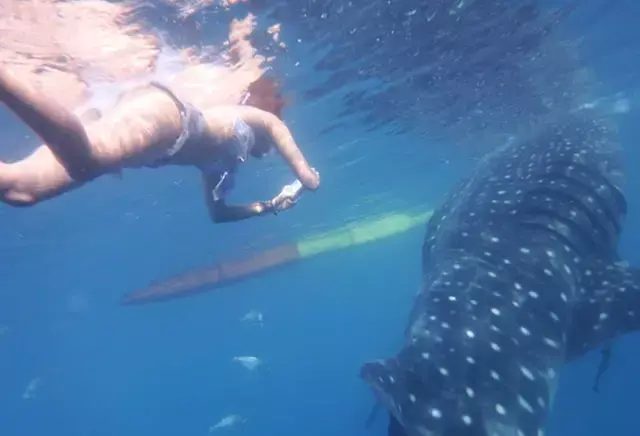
column 213, row 136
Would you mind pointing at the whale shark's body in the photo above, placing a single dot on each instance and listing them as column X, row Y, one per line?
column 520, row 275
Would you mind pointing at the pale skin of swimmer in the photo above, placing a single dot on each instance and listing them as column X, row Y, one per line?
column 77, row 151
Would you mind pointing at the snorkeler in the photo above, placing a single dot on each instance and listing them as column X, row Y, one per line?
column 150, row 127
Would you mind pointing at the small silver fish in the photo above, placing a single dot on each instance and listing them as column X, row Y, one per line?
column 249, row 362
column 253, row 316
column 226, row 422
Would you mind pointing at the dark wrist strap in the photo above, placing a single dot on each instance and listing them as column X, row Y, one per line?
column 267, row 207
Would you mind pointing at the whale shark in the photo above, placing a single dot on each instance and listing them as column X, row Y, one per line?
column 520, row 275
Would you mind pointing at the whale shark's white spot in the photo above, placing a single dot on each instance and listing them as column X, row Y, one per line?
column 500, row 409
column 495, row 346
column 563, row 296
column 526, row 372
column 541, row 402
column 471, row 360
column 525, row 331
column 470, row 333
column 550, row 342
column 412, row 398
column 436, row 413
column 444, row 371
column 494, row 375
column 495, row 311
column 525, row 404
column 470, row 392
column 467, row 419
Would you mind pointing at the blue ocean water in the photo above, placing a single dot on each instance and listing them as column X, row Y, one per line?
column 97, row 368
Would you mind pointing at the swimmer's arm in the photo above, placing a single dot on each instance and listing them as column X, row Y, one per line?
column 221, row 212
column 274, row 129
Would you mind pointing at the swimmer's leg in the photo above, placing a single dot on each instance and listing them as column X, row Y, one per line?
column 59, row 128
column 38, row 177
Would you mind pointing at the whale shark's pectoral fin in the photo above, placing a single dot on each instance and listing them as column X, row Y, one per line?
column 403, row 391
column 385, row 379
column 373, row 415
column 395, row 428
column 605, row 361
column 608, row 305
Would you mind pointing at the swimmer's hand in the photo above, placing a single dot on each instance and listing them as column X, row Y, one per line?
column 313, row 182
column 288, row 197
column 282, row 201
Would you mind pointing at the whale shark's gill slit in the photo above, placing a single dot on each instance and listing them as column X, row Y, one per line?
column 590, row 176
column 580, row 216
column 544, row 219
column 572, row 211
column 599, row 210
column 547, row 229
column 604, row 206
